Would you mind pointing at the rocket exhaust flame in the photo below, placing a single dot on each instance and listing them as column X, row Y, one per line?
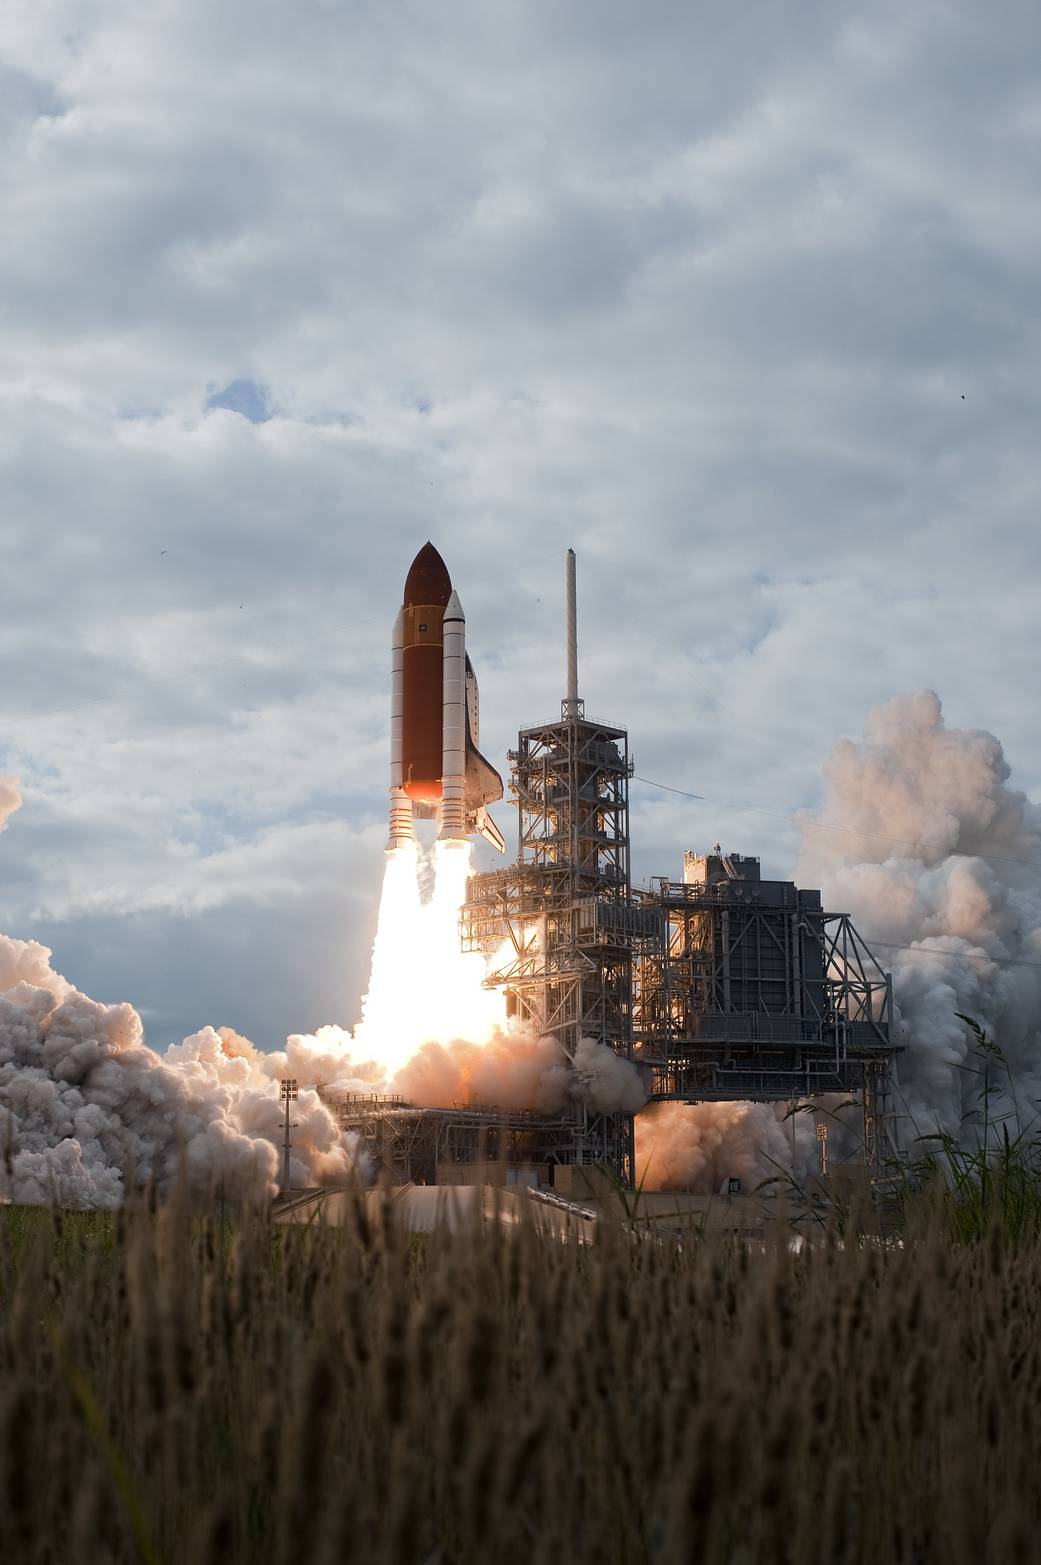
column 422, row 987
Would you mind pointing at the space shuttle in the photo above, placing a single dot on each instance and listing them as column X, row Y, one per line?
column 436, row 770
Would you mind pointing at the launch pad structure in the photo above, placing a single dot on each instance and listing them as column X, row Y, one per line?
column 751, row 991
column 407, row 1142
column 719, row 987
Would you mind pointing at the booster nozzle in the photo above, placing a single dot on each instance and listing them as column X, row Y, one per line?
column 402, row 831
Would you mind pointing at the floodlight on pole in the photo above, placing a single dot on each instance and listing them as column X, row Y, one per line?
column 288, row 1092
column 822, row 1142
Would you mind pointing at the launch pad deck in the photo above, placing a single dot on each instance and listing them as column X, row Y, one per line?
column 408, row 1142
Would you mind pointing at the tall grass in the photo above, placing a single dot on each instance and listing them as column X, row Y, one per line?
column 991, row 1171
column 174, row 1389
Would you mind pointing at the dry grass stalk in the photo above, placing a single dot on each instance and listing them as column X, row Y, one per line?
column 174, row 1389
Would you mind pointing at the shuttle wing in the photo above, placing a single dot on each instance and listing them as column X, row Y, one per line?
column 483, row 823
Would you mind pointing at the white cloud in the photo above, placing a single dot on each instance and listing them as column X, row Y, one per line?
column 701, row 300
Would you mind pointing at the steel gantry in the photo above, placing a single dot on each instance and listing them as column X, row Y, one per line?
column 753, row 991
column 558, row 926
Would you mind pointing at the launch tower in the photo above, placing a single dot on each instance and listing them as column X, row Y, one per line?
column 559, row 925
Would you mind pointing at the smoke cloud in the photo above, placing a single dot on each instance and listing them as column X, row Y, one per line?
column 88, row 1112
column 938, row 860
column 939, row 855
column 519, row 1069
column 682, row 1146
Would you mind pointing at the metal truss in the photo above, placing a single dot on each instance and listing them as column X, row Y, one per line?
column 741, row 1000
column 558, row 927
column 571, row 783
column 409, row 1143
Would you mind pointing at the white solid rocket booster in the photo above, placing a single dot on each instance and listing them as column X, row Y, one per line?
column 453, row 725
column 402, row 830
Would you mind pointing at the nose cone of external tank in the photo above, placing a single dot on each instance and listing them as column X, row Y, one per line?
column 428, row 581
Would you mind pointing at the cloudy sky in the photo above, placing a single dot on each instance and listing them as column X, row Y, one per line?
column 741, row 301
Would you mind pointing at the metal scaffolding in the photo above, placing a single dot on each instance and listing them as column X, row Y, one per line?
column 408, row 1143
column 558, row 926
column 753, row 991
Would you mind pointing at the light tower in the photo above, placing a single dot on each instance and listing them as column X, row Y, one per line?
column 288, row 1093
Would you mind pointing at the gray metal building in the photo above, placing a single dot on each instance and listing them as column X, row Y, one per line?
column 751, row 990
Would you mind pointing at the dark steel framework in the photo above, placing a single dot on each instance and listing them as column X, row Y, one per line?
column 752, row 991
column 406, row 1142
column 558, row 926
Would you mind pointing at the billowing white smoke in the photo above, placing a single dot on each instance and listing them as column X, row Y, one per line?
column 937, row 854
column 519, row 1069
column 681, row 1146
column 88, row 1112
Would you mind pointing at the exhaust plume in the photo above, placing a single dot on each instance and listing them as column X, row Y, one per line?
column 940, row 858
column 684, row 1146
column 437, row 1035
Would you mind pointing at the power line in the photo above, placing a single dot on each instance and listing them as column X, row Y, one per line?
column 953, row 956
column 852, row 831
column 885, row 945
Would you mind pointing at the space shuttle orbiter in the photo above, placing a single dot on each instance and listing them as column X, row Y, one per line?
column 436, row 769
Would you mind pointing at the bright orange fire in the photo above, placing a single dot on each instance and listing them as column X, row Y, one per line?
column 422, row 987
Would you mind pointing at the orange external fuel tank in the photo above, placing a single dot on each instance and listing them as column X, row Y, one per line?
column 428, row 588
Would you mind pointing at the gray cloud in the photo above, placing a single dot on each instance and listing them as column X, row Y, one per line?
column 293, row 290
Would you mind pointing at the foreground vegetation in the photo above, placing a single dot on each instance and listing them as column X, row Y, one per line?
column 176, row 1390
column 989, row 1174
